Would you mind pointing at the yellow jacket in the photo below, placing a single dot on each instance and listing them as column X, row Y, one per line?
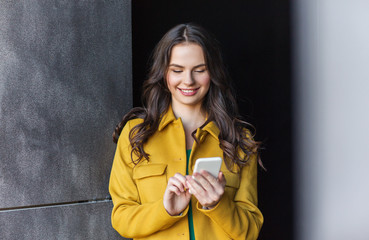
column 137, row 191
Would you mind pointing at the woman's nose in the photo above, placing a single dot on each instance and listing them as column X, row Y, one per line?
column 188, row 78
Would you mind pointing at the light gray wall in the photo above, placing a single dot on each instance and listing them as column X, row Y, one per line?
column 65, row 82
column 332, row 119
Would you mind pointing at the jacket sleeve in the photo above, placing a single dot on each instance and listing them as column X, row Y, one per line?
column 129, row 217
column 240, row 217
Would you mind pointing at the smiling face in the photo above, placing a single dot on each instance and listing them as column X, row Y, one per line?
column 187, row 78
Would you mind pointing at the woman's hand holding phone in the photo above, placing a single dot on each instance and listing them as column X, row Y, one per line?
column 206, row 188
column 207, row 184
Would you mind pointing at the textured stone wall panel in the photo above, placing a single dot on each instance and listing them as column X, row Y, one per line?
column 65, row 81
column 76, row 221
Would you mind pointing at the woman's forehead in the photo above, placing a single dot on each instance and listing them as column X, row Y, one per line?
column 187, row 54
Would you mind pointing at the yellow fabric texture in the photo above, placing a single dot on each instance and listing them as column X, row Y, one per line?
column 137, row 190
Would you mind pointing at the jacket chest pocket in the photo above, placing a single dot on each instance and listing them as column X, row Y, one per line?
column 232, row 183
column 151, row 181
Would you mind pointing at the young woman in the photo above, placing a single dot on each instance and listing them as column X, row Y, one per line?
column 189, row 112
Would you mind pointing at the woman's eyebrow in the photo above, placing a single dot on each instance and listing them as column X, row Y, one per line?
column 177, row 65
column 200, row 65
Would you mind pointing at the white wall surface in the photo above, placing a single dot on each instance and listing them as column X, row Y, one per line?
column 331, row 70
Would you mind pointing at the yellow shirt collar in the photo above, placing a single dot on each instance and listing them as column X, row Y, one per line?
column 169, row 117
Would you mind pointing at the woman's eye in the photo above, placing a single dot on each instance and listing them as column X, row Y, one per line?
column 200, row 71
column 177, row 71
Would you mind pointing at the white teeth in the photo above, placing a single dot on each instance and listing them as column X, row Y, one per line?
column 187, row 91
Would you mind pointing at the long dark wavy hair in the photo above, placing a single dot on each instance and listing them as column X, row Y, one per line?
column 219, row 103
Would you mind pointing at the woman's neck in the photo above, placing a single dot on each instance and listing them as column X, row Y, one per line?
column 192, row 118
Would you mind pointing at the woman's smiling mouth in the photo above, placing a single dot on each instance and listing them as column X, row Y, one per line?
column 188, row 92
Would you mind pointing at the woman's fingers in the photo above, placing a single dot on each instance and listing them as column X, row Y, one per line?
column 179, row 181
column 209, row 182
column 206, row 197
column 206, row 180
column 206, row 188
column 175, row 189
column 176, row 198
column 221, row 179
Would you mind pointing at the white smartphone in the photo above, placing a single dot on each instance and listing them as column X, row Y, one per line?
column 212, row 165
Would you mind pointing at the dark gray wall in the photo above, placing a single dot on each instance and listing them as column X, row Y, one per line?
column 65, row 82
